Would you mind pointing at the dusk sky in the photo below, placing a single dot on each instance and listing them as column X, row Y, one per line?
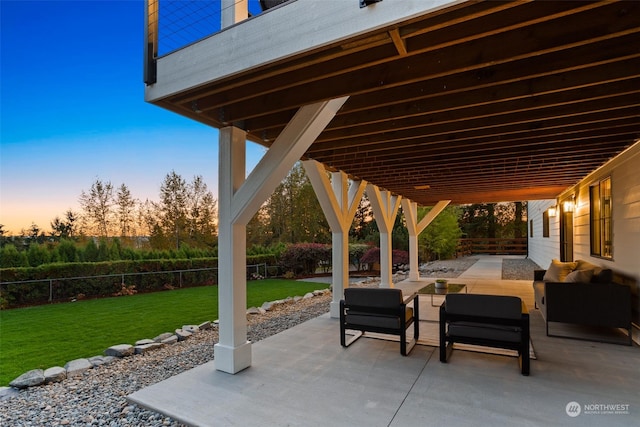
column 72, row 111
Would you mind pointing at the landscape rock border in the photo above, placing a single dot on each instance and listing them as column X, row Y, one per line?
column 75, row 368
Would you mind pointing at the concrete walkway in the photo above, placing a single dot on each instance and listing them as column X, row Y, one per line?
column 487, row 267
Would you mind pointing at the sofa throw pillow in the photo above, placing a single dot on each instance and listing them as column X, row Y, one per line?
column 579, row 276
column 586, row 265
column 558, row 270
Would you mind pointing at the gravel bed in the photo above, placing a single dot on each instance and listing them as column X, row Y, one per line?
column 98, row 397
column 518, row 269
column 447, row 269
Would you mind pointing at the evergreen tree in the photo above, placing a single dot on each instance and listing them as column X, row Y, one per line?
column 65, row 228
column 186, row 214
column 364, row 228
column 11, row 257
column 293, row 213
column 125, row 209
column 67, row 251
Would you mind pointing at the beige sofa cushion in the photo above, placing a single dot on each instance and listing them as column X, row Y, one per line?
column 558, row 271
column 586, row 265
column 579, row 276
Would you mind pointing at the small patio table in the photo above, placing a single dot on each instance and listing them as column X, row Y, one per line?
column 452, row 288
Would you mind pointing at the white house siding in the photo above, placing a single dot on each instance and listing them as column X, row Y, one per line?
column 624, row 171
column 543, row 249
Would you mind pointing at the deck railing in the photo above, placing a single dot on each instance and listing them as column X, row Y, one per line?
column 492, row 246
column 173, row 24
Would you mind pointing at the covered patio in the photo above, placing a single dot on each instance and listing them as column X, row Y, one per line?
column 303, row 377
column 422, row 103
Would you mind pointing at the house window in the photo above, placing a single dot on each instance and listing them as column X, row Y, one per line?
column 545, row 224
column 530, row 228
column 601, row 227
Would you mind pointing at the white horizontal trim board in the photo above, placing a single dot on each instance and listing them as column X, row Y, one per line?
column 277, row 34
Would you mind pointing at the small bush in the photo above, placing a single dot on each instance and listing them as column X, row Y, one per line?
column 398, row 257
column 356, row 252
column 11, row 257
column 304, row 258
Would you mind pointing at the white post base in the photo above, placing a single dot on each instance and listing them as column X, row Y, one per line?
column 232, row 360
column 334, row 309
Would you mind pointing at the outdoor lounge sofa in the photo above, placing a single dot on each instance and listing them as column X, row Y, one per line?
column 582, row 293
column 379, row 310
column 486, row 320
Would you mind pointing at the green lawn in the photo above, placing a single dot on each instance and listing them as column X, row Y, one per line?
column 51, row 335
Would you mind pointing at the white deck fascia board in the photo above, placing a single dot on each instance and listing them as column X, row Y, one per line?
column 300, row 26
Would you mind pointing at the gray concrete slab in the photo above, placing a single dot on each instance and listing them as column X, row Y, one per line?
column 303, row 377
column 299, row 377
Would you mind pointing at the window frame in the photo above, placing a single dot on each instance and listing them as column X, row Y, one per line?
column 601, row 218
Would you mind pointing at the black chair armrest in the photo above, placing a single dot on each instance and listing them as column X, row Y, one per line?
column 538, row 275
column 410, row 298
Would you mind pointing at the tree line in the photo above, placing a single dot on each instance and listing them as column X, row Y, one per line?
column 185, row 217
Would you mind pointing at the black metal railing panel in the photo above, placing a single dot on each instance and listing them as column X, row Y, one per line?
column 173, row 24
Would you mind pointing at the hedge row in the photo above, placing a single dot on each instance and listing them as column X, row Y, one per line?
column 69, row 281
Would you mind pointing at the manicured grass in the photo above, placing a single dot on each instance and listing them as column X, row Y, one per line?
column 51, row 335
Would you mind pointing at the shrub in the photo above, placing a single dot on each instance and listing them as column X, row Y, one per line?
column 100, row 279
column 304, row 258
column 90, row 252
column 11, row 257
column 356, row 252
column 38, row 255
column 398, row 257
column 67, row 251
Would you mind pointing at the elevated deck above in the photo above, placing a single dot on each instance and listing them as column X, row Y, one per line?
column 468, row 101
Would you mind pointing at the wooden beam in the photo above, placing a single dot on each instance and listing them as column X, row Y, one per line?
column 398, row 42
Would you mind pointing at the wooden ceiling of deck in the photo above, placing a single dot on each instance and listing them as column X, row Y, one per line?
column 481, row 102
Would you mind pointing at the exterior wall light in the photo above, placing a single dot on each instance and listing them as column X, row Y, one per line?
column 568, row 206
column 552, row 211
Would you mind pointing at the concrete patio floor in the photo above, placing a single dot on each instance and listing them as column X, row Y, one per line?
column 303, row 377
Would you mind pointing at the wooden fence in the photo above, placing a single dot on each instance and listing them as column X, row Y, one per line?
column 492, row 246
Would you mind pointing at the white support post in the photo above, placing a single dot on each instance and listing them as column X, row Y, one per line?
column 410, row 210
column 239, row 200
column 233, row 351
column 385, row 209
column 339, row 202
column 234, row 11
